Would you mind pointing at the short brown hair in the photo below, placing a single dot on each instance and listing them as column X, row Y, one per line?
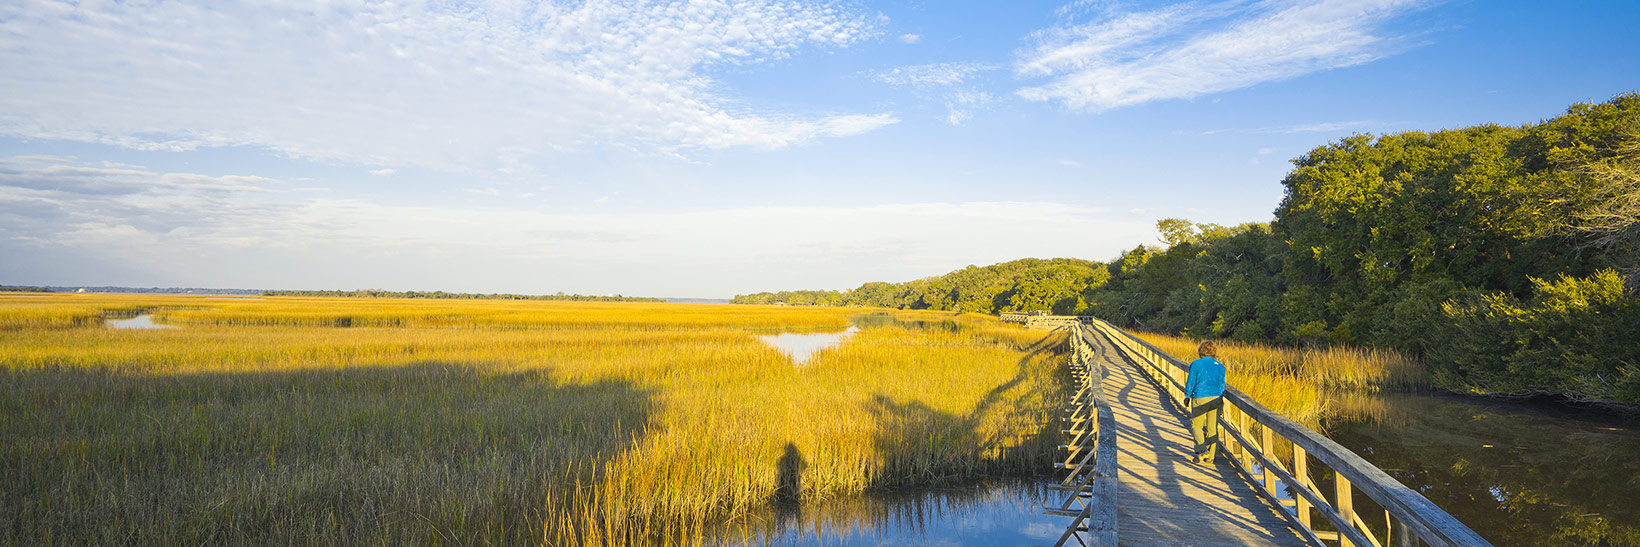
column 1208, row 349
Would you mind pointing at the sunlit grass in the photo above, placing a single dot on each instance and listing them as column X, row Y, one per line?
column 1304, row 384
column 485, row 421
column 19, row 311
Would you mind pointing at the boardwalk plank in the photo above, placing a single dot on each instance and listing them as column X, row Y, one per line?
column 1166, row 499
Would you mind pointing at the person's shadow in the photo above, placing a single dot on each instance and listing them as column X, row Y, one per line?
column 789, row 488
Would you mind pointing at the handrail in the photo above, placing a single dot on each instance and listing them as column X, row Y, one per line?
column 1255, row 457
column 1054, row 321
column 1019, row 316
column 1090, row 461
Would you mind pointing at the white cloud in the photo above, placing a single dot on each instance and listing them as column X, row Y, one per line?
column 960, row 106
column 933, row 74
column 1070, row 163
column 910, row 38
column 1189, row 49
column 485, row 85
column 256, row 233
column 384, row 172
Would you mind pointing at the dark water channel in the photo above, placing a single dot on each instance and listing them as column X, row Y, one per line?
column 1517, row 473
column 998, row 513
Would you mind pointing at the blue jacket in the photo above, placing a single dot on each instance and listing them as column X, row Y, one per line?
column 1206, row 378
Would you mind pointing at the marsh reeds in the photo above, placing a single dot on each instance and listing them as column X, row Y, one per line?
column 353, row 421
column 1306, row 384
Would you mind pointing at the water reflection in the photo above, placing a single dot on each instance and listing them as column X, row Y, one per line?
column 140, row 322
column 1005, row 513
column 802, row 346
column 880, row 320
column 1517, row 473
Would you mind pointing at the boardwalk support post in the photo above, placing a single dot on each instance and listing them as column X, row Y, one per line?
column 1090, row 454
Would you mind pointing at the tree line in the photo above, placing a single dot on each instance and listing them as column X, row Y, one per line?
column 1507, row 257
column 378, row 293
column 1056, row 285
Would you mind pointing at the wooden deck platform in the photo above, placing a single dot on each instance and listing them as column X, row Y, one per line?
column 1164, row 498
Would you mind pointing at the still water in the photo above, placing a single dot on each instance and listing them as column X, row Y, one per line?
column 1517, row 473
column 1002, row 513
column 140, row 322
column 802, row 346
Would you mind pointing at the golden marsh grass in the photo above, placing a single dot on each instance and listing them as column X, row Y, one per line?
column 486, row 421
column 1305, row 384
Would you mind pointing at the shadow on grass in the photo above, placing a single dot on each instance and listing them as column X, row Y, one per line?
column 928, row 447
column 423, row 453
column 938, row 471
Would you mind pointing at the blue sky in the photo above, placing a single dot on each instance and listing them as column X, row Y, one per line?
column 704, row 149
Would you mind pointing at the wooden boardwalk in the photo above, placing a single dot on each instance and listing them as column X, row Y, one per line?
column 1165, row 498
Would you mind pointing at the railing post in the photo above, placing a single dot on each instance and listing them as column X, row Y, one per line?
column 1240, row 424
column 1269, row 450
column 1345, row 502
column 1301, row 471
column 1403, row 537
column 1172, row 373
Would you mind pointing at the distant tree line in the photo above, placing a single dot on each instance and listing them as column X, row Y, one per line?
column 1058, row 285
column 1507, row 257
column 378, row 293
column 107, row 289
column 16, row 288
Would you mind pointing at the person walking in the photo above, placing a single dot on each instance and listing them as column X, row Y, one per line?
column 1205, row 388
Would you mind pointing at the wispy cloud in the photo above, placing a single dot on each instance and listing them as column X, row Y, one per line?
column 468, row 85
column 910, row 38
column 384, row 172
column 961, row 105
column 1121, row 58
column 932, row 74
column 945, row 81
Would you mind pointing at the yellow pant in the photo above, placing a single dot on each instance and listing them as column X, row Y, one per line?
column 1204, row 425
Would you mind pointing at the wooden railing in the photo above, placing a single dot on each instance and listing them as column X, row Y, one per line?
column 1055, row 321
column 1256, row 437
column 1090, row 453
column 1019, row 316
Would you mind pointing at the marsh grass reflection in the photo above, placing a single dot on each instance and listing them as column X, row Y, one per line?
column 1517, row 473
column 985, row 513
